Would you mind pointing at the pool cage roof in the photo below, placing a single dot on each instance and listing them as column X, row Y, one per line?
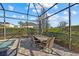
column 38, row 15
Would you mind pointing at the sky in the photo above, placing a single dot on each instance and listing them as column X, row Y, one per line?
column 54, row 20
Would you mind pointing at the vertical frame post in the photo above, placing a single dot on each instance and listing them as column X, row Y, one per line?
column 70, row 40
column 4, row 25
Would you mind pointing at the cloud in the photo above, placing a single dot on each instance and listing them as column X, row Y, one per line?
column 33, row 18
column 38, row 7
column 65, row 18
column 0, row 7
column 31, row 6
column 55, row 17
column 54, row 20
column 47, row 5
column 1, row 14
column 54, row 23
column 73, row 12
column 38, row 10
column 65, row 13
column 23, row 16
column 58, row 17
column 14, row 16
column 26, row 8
column 76, row 5
column 34, row 10
column 5, row 14
column 10, row 7
column 56, row 7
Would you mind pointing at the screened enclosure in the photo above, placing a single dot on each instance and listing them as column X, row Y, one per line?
column 27, row 19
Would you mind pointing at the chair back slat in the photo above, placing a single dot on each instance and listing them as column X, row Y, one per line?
column 50, row 42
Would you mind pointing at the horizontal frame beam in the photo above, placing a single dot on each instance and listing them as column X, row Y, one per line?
column 60, row 11
column 48, row 9
column 19, row 12
column 15, row 18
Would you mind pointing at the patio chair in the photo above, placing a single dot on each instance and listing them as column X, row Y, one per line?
column 36, row 42
column 48, row 45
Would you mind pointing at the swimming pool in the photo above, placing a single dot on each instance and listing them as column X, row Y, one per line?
column 6, row 44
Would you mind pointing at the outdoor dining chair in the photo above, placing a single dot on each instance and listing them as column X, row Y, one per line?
column 48, row 45
column 36, row 43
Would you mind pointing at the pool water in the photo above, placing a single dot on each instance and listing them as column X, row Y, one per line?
column 5, row 44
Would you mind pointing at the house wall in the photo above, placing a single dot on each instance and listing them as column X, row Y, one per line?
column 8, row 25
column 27, row 26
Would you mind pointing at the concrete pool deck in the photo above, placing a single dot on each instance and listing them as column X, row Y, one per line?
column 26, row 49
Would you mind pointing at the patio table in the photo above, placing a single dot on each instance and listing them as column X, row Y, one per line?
column 41, row 38
column 47, row 43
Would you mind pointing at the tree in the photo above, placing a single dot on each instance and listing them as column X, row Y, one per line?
column 20, row 23
column 62, row 25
